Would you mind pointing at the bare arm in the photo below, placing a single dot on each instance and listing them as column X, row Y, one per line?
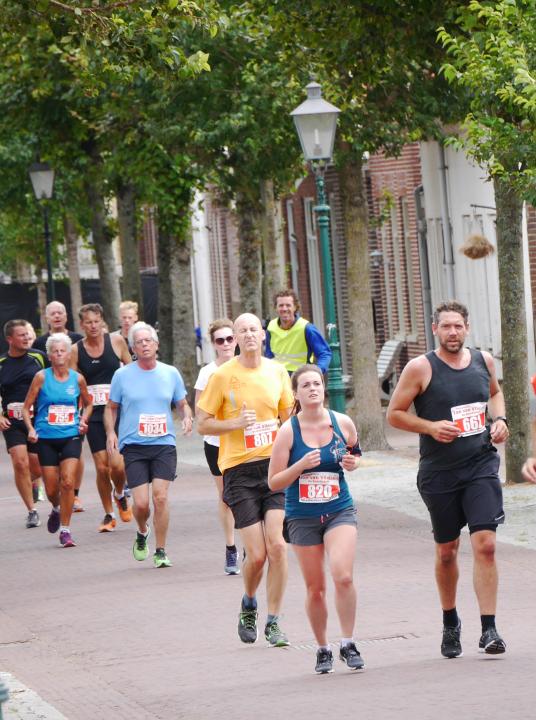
column 121, row 348
column 413, row 381
column 87, row 402
column 185, row 412
column 31, row 397
column 110, row 418
column 73, row 360
column 207, row 424
column 280, row 475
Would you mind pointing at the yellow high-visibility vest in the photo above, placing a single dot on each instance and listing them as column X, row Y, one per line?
column 289, row 346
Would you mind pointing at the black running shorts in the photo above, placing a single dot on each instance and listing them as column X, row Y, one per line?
column 52, row 451
column 246, row 492
column 211, row 455
column 96, row 436
column 144, row 463
column 468, row 495
column 18, row 435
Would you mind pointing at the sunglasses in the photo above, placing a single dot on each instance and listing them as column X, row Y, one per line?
column 221, row 340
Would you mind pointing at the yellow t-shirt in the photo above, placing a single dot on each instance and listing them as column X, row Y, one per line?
column 265, row 389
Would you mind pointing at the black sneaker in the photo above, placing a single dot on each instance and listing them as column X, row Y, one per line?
column 231, row 562
column 349, row 654
column 491, row 642
column 324, row 661
column 451, row 646
column 275, row 636
column 247, row 626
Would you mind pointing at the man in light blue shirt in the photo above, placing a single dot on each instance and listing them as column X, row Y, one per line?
column 144, row 390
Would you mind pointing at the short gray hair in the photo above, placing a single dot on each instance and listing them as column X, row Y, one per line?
column 56, row 338
column 140, row 325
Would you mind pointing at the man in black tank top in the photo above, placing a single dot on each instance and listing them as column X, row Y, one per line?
column 97, row 357
column 455, row 391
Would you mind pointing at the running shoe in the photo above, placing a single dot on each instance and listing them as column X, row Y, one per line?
column 127, row 492
column 324, row 661
column 66, row 540
column 247, row 626
column 41, row 497
column 125, row 511
column 108, row 524
column 350, row 655
column 140, row 549
column 231, row 562
column 491, row 642
column 77, row 505
column 53, row 522
column 160, row 559
column 274, row 635
column 451, row 646
column 33, row 519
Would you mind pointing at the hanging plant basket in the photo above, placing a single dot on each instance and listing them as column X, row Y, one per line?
column 476, row 247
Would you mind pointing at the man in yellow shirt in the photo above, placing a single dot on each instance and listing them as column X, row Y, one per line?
column 243, row 402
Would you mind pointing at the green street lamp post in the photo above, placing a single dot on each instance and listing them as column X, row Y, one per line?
column 316, row 123
column 42, row 177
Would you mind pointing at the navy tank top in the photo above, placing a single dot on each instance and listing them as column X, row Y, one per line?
column 323, row 489
column 460, row 396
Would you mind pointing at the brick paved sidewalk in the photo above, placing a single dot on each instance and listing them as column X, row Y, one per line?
column 96, row 634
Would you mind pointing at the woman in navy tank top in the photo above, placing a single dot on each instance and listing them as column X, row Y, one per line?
column 310, row 454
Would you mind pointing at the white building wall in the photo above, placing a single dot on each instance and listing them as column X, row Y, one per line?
column 476, row 282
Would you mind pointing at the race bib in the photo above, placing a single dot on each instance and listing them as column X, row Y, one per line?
column 319, row 487
column 152, row 425
column 61, row 414
column 260, row 434
column 14, row 410
column 99, row 393
column 470, row 419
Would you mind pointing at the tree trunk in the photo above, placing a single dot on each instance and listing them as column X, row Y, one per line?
column 366, row 388
column 249, row 243
column 164, row 297
column 71, row 243
column 183, row 351
column 273, row 253
column 128, row 238
column 513, row 325
column 102, row 236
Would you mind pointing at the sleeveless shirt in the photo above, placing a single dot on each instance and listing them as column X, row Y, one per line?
column 57, row 416
column 309, row 497
column 460, row 396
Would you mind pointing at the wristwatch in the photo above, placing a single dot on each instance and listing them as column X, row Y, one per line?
column 501, row 417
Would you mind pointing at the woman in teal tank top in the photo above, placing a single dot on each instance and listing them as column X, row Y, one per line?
column 56, row 393
column 310, row 454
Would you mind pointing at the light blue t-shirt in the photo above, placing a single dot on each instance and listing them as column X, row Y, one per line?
column 145, row 397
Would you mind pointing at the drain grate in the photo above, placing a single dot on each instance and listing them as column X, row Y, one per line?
column 366, row 641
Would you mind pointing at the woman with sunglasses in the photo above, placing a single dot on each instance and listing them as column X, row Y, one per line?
column 224, row 344
column 310, row 454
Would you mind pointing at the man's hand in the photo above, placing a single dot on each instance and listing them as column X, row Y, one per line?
column 187, row 425
column 247, row 418
column 4, row 423
column 529, row 470
column 444, row 431
column 32, row 436
column 83, row 427
column 111, row 443
column 499, row 431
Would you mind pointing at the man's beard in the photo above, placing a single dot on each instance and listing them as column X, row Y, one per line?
column 451, row 350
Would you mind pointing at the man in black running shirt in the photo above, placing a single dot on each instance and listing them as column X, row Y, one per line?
column 56, row 317
column 455, row 391
column 97, row 357
column 17, row 369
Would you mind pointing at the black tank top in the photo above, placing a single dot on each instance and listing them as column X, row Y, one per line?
column 460, row 396
column 98, row 370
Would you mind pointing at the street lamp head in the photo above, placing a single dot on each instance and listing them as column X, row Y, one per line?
column 42, row 177
column 316, row 123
